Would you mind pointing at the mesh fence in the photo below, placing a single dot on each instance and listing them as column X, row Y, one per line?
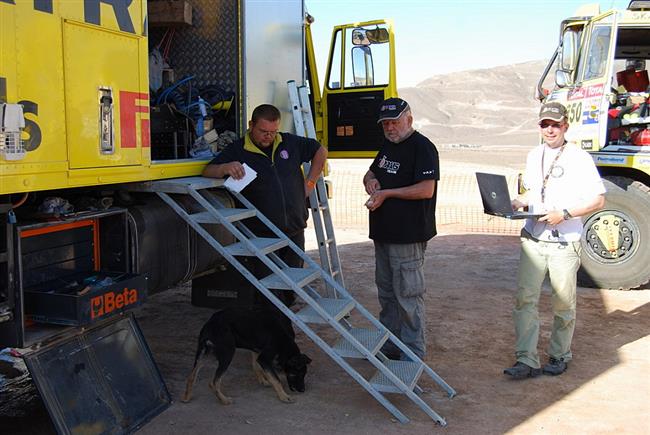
column 459, row 202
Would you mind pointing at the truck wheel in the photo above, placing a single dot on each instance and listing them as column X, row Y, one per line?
column 616, row 240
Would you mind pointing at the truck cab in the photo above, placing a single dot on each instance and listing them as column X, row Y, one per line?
column 600, row 75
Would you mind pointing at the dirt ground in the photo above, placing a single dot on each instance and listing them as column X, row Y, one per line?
column 471, row 282
column 470, row 337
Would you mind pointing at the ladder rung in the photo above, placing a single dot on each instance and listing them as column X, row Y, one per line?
column 300, row 276
column 263, row 244
column 407, row 371
column 231, row 215
column 337, row 308
column 371, row 339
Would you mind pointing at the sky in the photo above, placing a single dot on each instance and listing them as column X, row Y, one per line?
column 436, row 37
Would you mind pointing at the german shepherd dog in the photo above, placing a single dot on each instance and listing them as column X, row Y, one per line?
column 263, row 330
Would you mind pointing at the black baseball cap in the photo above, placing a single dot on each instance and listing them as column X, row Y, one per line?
column 392, row 108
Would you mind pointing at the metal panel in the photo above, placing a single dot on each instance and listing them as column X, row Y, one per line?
column 274, row 53
column 102, row 381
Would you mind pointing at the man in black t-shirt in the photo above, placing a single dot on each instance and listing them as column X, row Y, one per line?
column 280, row 190
column 402, row 183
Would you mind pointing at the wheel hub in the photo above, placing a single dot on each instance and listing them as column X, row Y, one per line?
column 610, row 236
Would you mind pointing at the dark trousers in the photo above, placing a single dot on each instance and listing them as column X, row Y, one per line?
column 259, row 269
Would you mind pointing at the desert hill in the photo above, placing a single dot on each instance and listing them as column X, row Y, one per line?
column 494, row 106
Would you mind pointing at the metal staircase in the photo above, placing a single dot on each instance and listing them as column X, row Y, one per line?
column 353, row 342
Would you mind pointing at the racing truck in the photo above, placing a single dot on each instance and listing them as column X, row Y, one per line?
column 600, row 76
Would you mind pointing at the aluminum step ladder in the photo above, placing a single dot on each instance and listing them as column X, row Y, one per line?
column 318, row 203
column 353, row 342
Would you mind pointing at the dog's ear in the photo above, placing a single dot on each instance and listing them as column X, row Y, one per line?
column 304, row 358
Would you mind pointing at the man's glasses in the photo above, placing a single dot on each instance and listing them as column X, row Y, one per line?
column 544, row 125
column 266, row 132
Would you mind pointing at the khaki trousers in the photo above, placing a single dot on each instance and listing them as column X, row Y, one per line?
column 561, row 261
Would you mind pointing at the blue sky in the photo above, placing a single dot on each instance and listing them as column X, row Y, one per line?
column 434, row 37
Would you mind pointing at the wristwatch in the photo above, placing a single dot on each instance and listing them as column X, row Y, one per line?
column 567, row 215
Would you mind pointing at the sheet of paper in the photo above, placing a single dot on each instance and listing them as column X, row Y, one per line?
column 238, row 185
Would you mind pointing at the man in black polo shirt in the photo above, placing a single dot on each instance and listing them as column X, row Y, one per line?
column 402, row 183
column 280, row 190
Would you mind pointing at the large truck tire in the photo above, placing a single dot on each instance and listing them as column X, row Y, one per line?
column 624, row 223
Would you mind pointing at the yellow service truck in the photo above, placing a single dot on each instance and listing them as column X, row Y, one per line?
column 98, row 97
column 601, row 77
column 98, row 94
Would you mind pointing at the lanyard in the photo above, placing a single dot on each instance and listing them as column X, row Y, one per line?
column 550, row 169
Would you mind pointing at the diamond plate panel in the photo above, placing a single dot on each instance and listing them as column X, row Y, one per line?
column 208, row 49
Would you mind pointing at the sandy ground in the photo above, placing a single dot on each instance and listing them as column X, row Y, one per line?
column 471, row 285
column 470, row 338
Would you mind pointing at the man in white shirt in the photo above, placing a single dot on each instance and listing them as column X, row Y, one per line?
column 562, row 182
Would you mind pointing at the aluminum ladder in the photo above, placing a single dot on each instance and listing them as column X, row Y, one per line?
column 353, row 342
column 318, row 203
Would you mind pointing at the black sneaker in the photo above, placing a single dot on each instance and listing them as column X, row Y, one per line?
column 522, row 371
column 555, row 367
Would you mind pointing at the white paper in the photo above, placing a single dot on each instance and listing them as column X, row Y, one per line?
column 238, row 185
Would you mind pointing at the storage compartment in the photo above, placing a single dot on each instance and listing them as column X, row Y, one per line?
column 222, row 289
column 74, row 272
column 70, row 272
column 84, row 298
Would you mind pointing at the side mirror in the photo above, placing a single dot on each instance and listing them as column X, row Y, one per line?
column 562, row 78
column 569, row 54
column 378, row 35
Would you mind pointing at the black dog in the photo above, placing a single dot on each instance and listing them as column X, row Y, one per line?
column 263, row 330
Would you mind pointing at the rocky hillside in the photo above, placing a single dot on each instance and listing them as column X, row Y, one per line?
column 494, row 106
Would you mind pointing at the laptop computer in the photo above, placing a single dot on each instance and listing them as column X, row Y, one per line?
column 496, row 198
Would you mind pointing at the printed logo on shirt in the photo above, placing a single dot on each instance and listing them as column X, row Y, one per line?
column 390, row 167
column 284, row 154
column 557, row 171
column 431, row 172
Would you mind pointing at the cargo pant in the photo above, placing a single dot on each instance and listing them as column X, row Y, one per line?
column 399, row 275
column 561, row 261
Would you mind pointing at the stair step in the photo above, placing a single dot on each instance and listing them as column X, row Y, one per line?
column 300, row 276
column 263, row 244
column 337, row 308
column 371, row 339
column 407, row 371
column 231, row 215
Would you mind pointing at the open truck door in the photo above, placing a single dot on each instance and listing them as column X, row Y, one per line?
column 360, row 75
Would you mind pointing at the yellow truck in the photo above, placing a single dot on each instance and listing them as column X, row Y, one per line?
column 98, row 94
column 600, row 75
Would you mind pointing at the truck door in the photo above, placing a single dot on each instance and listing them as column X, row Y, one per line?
column 106, row 94
column 360, row 75
column 588, row 101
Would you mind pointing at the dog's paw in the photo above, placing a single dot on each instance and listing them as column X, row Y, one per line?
column 185, row 399
column 226, row 400
column 288, row 399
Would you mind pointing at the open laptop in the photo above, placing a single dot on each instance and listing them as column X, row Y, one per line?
column 496, row 199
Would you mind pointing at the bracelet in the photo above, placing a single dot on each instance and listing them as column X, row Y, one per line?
column 311, row 184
